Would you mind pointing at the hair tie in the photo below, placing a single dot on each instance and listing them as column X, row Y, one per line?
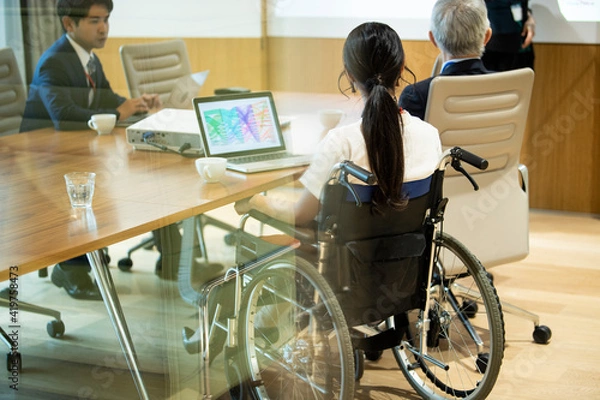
column 375, row 80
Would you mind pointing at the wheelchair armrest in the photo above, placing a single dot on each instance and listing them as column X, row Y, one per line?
column 303, row 234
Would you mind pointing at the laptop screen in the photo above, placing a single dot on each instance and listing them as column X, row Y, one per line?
column 239, row 124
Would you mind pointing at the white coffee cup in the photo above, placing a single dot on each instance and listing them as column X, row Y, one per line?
column 102, row 123
column 211, row 169
column 330, row 117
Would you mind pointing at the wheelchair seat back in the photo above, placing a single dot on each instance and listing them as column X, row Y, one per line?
column 376, row 260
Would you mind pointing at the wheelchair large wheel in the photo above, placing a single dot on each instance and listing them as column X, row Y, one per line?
column 465, row 341
column 294, row 340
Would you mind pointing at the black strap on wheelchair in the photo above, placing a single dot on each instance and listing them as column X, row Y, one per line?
column 381, row 341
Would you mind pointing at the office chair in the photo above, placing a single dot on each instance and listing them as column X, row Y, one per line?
column 486, row 115
column 12, row 104
column 12, row 93
column 437, row 65
column 154, row 67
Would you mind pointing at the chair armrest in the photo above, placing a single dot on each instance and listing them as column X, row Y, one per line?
column 524, row 173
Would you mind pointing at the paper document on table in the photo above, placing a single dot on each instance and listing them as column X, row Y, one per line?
column 185, row 89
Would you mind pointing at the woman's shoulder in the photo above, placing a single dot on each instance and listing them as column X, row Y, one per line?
column 415, row 124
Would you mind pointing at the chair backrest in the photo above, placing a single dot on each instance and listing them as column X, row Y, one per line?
column 486, row 114
column 437, row 65
column 12, row 93
column 154, row 67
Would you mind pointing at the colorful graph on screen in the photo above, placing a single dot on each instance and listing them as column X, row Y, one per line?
column 246, row 124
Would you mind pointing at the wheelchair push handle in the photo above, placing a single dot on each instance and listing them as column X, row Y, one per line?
column 469, row 158
column 358, row 172
column 457, row 155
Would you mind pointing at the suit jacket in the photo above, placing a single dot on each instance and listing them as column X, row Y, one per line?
column 59, row 92
column 414, row 97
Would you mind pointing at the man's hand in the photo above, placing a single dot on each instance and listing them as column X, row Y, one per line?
column 528, row 30
column 152, row 100
column 141, row 104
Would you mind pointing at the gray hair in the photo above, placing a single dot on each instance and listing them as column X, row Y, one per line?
column 459, row 26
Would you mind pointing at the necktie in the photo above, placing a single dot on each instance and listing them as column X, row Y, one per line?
column 91, row 69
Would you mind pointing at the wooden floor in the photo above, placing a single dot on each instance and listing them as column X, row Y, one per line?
column 559, row 280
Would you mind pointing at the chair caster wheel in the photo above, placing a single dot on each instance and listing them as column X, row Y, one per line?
column 13, row 361
column 373, row 355
column 542, row 334
column 125, row 264
column 55, row 328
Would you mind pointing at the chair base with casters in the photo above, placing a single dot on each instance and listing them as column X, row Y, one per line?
column 293, row 324
column 126, row 263
column 55, row 328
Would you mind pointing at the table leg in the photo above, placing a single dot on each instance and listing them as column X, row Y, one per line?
column 115, row 312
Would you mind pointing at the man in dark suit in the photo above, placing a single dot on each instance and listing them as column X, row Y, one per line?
column 460, row 29
column 69, row 84
column 68, row 87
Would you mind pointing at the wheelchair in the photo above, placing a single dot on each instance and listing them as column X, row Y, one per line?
column 309, row 304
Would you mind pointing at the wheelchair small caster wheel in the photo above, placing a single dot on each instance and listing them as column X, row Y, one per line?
column 373, row 355
column 55, row 328
column 469, row 308
column 13, row 361
column 542, row 334
column 482, row 362
column 125, row 264
column 359, row 364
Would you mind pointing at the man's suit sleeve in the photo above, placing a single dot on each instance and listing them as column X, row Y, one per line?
column 62, row 95
column 65, row 98
column 413, row 102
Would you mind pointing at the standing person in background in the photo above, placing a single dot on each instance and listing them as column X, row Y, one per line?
column 460, row 29
column 513, row 30
column 68, row 87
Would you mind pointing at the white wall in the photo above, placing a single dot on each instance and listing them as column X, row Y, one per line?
column 186, row 18
column 410, row 18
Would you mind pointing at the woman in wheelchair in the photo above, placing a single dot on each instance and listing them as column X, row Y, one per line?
column 385, row 275
column 395, row 146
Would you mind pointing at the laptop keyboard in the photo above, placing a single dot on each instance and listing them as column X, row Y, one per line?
column 258, row 158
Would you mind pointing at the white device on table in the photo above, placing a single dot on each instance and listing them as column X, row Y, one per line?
column 169, row 129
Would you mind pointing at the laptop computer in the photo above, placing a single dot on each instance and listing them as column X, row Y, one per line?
column 245, row 129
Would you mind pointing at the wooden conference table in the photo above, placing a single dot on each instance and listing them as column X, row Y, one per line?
column 136, row 192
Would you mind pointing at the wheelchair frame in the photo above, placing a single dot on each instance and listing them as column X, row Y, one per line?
column 437, row 341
